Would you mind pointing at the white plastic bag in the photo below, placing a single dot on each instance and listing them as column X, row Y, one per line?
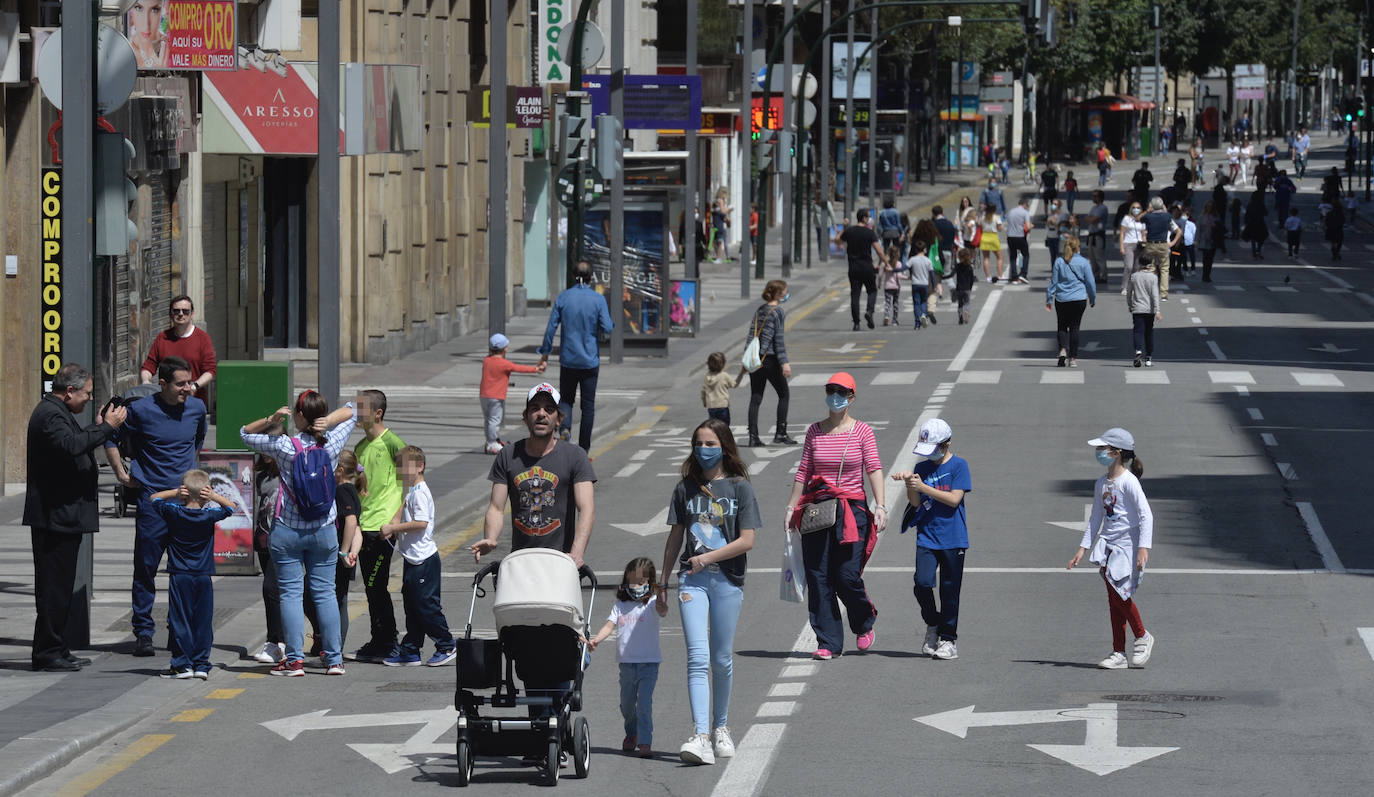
column 792, row 586
column 752, row 360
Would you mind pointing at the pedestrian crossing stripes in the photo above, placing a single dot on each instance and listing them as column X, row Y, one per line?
column 1307, row 379
column 1283, row 289
column 1231, row 377
column 1151, row 377
column 979, row 377
column 896, row 378
column 1061, row 378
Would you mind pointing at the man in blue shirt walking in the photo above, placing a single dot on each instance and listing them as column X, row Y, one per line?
column 583, row 313
column 166, row 430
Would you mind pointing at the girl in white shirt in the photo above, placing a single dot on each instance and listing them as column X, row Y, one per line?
column 1233, row 159
column 1247, row 152
column 635, row 620
column 1132, row 233
column 1121, row 513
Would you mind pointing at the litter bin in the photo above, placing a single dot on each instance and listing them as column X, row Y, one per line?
column 248, row 390
column 1147, row 144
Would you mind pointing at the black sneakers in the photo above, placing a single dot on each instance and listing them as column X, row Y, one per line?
column 144, row 647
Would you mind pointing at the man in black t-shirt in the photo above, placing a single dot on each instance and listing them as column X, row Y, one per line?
column 860, row 247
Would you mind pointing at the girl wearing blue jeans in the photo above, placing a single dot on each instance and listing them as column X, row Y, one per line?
column 714, row 510
column 636, row 626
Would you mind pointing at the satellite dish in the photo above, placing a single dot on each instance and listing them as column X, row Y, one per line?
column 116, row 69
column 593, row 44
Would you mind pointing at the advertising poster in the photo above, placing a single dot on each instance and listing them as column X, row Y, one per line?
column 231, row 475
column 682, row 308
column 841, row 61
column 196, row 35
column 645, row 266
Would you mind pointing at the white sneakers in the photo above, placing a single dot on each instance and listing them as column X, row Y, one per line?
column 932, row 640
column 697, row 750
column 724, row 745
column 271, row 653
column 1116, row 661
column 1144, row 646
column 946, row 650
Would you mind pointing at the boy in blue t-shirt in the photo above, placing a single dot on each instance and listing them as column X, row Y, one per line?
column 935, row 494
column 190, row 563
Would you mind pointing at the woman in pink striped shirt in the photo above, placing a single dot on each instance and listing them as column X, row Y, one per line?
column 838, row 454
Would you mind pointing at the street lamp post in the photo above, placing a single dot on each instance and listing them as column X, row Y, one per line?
column 958, row 24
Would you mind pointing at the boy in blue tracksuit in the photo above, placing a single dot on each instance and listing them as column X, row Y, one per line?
column 191, row 512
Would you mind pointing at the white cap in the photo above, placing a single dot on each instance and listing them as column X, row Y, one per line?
column 933, row 432
column 544, row 387
column 1116, row 437
column 498, row 341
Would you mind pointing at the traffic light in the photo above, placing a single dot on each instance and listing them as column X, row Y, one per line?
column 1032, row 13
column 786, row 149
column 1048, row 29
column 763, row 148
column 574, row 135
column 610, row 146
column 114, row 194
column 1156, row 16
column 1358, row 102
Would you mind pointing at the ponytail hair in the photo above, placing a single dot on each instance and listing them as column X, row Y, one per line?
column 352, row 471
column 1131, row 461
column 312, row 406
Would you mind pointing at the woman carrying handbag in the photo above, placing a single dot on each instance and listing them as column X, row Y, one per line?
column 772, row 366
column 838, row 527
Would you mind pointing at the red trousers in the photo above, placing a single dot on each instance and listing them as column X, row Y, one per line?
column 1123, row 611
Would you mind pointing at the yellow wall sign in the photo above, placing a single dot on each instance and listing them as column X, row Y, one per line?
column 50, row 308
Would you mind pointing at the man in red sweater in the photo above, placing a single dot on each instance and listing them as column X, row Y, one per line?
column 185, row 340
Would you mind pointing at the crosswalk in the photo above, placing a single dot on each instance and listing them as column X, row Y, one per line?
column 1095, row 373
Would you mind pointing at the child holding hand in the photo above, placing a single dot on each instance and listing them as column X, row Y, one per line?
column 635, row 621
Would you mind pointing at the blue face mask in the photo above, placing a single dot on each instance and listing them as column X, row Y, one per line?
column 708, row 456
column 836, row 402
column 785, row 297
column 637, row 591
column 1105, row 458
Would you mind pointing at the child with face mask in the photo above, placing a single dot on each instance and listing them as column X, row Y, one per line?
column 635, row 621
column 1121, row 513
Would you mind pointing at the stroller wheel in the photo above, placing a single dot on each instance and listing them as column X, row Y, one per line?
column 551, row 763
column 581, row 748
column 465, row 762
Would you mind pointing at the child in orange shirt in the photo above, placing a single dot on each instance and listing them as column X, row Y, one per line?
column 496, row 371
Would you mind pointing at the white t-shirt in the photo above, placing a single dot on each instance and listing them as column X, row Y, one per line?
column 1131, row 230
column 417, row 546
column 636, row 632
column 1123, row 513
column 1233, row 154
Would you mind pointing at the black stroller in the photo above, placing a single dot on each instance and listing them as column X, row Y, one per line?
column 126, row 497
column 542, row 631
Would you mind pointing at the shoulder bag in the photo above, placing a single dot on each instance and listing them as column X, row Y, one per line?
column 821, row 515
column 753, row 356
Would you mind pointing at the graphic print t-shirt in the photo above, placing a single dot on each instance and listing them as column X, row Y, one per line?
column 542, row 505
column 711, row 517
column 938, row 526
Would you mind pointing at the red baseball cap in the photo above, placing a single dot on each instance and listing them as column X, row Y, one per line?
column 844, row 380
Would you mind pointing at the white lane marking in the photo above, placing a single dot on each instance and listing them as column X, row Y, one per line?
column 753, row 758
column 1254, row 413
column 1231, row 377
column 980, row 377
column 1286, row 471
column 1147, row 377
column 1216, row 351
column 1056, row 377
column 777, row 708
column 1241, row 390
column 1269, row 439
column 791, row 689
column 1282, row 289
column 1229, row 288
column 1184, row 300
column 1195, row 319
column 1366, row 298
column 1317, row 379
column 895, row 378
column 1334, row 279
column 1192, row 309
column 640, row 455
column 756, row 467
column 1319, row 538
column 975, row 335
column 808, row 380
column 1367, row 634
column 629, row 470
column 1335, row 290
column 798, row 670
column 1202, row 331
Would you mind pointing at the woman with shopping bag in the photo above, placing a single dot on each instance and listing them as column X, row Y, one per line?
column 838, row 526
column 765, row 357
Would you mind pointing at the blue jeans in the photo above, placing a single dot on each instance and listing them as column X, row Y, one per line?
column 950, row 563
column 569, row 380
column 637, row 700
column 191, row 614
column 150, row 542
column 424, row 611
column 721, row 414
column 834, row 574
column 301, row 554
column 710, row 607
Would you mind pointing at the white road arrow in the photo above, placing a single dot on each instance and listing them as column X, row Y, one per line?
column 1074, row 525
column 1093, row 345
column 290, row 727
column 424, row 745
column 845, row 349
column 958, row 721
column 1099, row 753
column 1329, row 348
column 654, row 526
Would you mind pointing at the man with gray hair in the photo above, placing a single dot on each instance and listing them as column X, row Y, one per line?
column 60, row 505
column 1161, row 235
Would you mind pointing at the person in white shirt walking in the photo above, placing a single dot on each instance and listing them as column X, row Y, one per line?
column 1121, row 512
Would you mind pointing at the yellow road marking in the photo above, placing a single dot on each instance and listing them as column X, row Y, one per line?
column 814, row 305
column 224, row 694
column 192, row 715
column 243, row 676
column 94, row 779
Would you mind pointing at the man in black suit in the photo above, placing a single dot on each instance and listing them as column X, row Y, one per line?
column 60, row 505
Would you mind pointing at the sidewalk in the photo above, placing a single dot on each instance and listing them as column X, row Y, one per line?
column 432, row 397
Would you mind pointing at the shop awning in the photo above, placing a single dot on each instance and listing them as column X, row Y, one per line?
column 1114, row 102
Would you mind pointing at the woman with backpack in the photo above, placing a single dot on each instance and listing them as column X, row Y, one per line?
column 304, row 543
column 767, row 327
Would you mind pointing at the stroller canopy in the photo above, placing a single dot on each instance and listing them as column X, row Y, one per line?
column 538, row 586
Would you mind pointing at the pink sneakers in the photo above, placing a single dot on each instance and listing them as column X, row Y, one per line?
column 822, row 654
column 866, row 639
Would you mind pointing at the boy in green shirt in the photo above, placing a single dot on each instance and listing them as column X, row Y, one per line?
column 381, row 502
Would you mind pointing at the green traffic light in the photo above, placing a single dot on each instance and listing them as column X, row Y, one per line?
column 1360, row 113
column 1348, row 117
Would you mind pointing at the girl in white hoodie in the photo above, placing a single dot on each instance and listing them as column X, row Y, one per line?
column 1122, row 514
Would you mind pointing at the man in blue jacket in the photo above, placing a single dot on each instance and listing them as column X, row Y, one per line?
column 584, row 314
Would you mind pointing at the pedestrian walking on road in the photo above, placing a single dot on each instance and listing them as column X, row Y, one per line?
column 1293, row 226
column 1071, row 291
column 1070, row 190
column 61, row 505
column 1142, row 301
column 1132, row 232
column 716, row 387
column 1097, row 236
column 583, row 314
column 376, row 454
column 823, row 217
column 1123, row 526
column 714, row 511
column 893, row 272
column 862, row 248
column 1209, row 232
column 989, row 237
column 496, row 371
column 1018, row 227
column 992, row 197
column 768, row 326
column 304, row 541
column 947, row 234
column 1162, row 235
column 1256, row 228
column 635, row 620
column 1335, row 230
column 839, row 528
column 963, row 284
column 921, row 273
column 167, row 430
column 421, row 575
column 1283, row 194
column 1052, row 221
column 935, row 508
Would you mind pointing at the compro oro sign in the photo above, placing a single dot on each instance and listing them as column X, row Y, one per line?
column 196, row 35
column 50, row 305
